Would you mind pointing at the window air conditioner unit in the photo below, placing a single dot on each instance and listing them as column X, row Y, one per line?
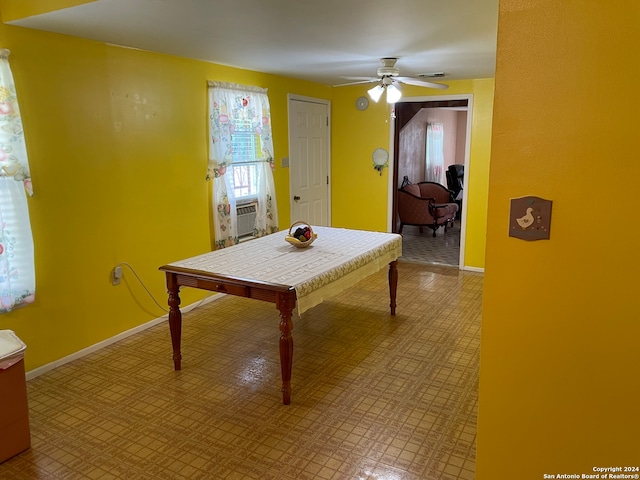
column 246, row 219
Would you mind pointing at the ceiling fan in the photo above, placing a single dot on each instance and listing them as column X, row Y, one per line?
column 387, row 79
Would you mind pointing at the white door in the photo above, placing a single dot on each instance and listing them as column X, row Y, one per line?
column 309, row 161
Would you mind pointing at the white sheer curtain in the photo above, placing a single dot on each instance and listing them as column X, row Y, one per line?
column 435, row 153
column 240, row 133
column 17, row 271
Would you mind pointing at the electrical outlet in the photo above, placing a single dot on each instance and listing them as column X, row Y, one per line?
column 116, row 275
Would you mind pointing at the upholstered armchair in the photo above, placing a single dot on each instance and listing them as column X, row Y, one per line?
column 426, row 204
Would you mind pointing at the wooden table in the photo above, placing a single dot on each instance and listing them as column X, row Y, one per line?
column 270, row 269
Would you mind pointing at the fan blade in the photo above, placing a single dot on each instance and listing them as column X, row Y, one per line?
column 358, row 80
column 421, row 83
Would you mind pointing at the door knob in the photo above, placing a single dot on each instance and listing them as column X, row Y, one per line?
column 296, row 198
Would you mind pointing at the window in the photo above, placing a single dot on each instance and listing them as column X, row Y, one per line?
column 435, row 153
column 240, row 160
column 245, row 148
column 17, row 271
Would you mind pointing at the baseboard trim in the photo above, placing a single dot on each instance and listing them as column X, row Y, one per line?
column 473, row 269
column 110, row 341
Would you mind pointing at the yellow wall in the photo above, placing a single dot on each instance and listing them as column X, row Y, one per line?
column 560, row 375
column 359, row 195
column 16, row 9
column 117, row 143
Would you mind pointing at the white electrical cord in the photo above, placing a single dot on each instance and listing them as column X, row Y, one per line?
column 143, row 285
column 149, row 293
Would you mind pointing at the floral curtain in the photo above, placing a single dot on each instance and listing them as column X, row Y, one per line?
column 435, row 153
column 17, row 271
column 267, row 214
column 229, row 106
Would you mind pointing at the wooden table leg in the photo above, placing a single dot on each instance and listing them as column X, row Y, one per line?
column 175, row 318
column 393, row 285
column 286, row 302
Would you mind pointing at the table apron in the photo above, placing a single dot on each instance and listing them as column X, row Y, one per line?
column 227, row 287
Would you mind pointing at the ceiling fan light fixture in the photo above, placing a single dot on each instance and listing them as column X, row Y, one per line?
column 393, row 94
column 375, row 93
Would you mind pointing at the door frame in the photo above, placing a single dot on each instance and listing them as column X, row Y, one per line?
column 301, row 98
column 392, row 187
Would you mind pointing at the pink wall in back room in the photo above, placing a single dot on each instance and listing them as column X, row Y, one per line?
column 412, row 151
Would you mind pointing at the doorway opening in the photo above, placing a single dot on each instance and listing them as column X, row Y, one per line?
column 409, row 124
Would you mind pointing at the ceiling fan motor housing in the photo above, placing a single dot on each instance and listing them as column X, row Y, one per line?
column 388, row 68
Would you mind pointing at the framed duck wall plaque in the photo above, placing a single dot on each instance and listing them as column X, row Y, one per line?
column 530, row 218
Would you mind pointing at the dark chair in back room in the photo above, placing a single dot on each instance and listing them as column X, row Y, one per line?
column 455, row 178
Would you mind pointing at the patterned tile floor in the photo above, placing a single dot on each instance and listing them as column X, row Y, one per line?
column 444, row 249
column 374, row 396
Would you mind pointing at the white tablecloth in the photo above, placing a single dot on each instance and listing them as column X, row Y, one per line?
column 337, row 259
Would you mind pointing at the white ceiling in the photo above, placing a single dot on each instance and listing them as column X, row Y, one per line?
column 317, row 40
